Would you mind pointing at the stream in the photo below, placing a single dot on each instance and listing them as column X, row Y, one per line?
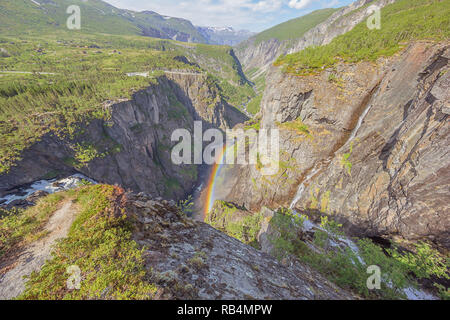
column 49, row 186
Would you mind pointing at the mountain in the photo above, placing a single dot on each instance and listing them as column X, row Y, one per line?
column 155, row 25
column 19, row 16
column 266, row 46
column 89, row 180
column 224, row 36
column 364, row 128
column 258, row 53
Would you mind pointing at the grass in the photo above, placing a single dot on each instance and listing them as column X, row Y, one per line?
column 295, row 28
column 23, row 227
column 402, row 21
column 100, row 244
column 23, row 16
column 255, row 105
column 245, row 229
column 296, row 126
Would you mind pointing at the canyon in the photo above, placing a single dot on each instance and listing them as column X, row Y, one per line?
column 363, row 145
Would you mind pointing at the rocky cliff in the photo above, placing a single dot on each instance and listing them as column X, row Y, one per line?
column 193, row 260
column 364, row 142
column 261, row 55
column 132, row 147
column 134, row 246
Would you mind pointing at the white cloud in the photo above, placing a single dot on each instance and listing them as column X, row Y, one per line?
column 251, row 14
column 266, row 5
column 299, row 4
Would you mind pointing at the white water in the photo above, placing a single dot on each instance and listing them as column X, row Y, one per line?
column 337, row 241
column 360, row 122
column 302, row 186
column 50, row 186
column 298, row 196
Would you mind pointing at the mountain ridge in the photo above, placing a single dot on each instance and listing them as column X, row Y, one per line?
column 98, row 16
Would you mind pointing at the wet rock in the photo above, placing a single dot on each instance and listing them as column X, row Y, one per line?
column 36, row 196
column 19, row 204
column 379, row 163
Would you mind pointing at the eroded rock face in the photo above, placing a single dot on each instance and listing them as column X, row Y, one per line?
column 192, row 260
column 376, row 152
column 397, row 182
column 133, row 147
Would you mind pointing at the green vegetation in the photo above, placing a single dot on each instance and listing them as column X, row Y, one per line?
column 402, row 21
column 295, row 28
column 296, row 126
column 176, row 109
column 32, row 105
column 71, row 76
column 253, row 124
column 345, row 162
column 171, row 185
column 20, row 228
column 236, row 95
column 85, row 153
column 100, row 244
column 424, row 262
column 349, row 271
column 24, row 16
column 255, row 105
column 227, row 218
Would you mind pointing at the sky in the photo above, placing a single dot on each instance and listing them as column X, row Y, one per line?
column 253, row 15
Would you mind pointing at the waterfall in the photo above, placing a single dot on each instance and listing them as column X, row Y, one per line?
column 360, row 122
column 302, row 186
column 50, row 186
column 298, row 195
column 315, row 170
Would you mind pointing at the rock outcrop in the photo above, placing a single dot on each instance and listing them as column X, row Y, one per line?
column 192, row 260
column 133, row 147
column 370, row 146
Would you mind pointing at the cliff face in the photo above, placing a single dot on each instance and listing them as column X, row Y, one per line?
column 262, row 55
column 366, row 143
column 132, row 148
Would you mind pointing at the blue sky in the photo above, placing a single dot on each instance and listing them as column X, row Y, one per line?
column 254, row 15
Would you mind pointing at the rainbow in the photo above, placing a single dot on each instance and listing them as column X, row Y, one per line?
column 212, row 181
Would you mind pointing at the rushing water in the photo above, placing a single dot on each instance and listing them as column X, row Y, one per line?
column 301, row 189
column 50, row 186
column 360, row 122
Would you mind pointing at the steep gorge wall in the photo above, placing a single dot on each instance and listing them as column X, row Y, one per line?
column 261, row 55
column 375, row 153
column 132, row 148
